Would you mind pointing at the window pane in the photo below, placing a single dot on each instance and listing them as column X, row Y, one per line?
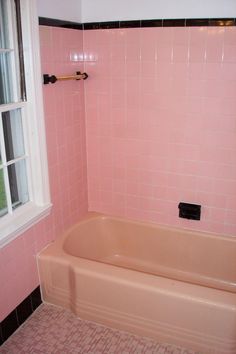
column 4, row 41
column 6, row 89
column 12, row 80
column 18, row 183
column 3, row 200
column 13, row 134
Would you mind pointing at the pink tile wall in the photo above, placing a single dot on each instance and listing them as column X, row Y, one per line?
column 161, row 128
column 65, row 129
column 161, row 124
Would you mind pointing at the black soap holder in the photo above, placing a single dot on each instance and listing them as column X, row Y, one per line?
column 189, row 211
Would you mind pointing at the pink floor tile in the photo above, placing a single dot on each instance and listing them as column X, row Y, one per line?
column 52, row 330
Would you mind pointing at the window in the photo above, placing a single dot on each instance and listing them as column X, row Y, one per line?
column 24, row 192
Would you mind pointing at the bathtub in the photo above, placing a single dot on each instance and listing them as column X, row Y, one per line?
column 172, row 285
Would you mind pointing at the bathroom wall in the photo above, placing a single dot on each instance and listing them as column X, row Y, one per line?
column 113, row 10
column 161, row 123
column 65, row 129
column 69, row 10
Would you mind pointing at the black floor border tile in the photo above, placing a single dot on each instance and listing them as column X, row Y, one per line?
column 35, row 298
column 9, row 325
column 20, row 314
column 1, row 336
column 24, row 310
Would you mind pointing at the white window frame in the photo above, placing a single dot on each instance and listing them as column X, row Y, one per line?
column 24, row 217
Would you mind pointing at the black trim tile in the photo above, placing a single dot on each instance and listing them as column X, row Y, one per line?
column 1, row 337
column 179, row 22
column 45, row 21
column 18, row 316
column 221, row 22
column 9, row 325
column 151, row 23
column 192, row 22
column 36, row 299
column 24, row 310
column 130, row 24
column 107, row 25
column 91, row 26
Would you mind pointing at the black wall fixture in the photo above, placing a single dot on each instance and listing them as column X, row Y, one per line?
column 189, row 211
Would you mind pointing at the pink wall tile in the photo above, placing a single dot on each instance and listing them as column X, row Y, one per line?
column 173, row 125
column 65, row 130
column 160, row 128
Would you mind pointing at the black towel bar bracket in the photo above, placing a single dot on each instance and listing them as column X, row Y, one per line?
column 47, row 79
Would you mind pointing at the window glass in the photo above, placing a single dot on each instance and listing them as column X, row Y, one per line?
column 3, row 199
column 18, row 183
column 12, row 81
column 13, row 134
column 4, row 37
column 6, row 80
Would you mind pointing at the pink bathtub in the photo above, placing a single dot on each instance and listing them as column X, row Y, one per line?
column 172, row 285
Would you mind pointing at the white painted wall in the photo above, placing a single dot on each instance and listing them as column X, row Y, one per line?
column 69, row 10
column 111, row 10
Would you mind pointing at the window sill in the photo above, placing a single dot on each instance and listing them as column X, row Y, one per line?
column 21, row 220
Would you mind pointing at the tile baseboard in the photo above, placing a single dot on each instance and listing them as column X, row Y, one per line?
column 19, row 315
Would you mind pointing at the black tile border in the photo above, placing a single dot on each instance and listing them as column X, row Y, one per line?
column 130, row 24
column 219, row 22
column 45, row 21
column 9, row 325
column 110, row 24
column 152, row 23
column 18, row 316
column 35, row 298
column 197, row 22
column 179, row 22
column 222, row 22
